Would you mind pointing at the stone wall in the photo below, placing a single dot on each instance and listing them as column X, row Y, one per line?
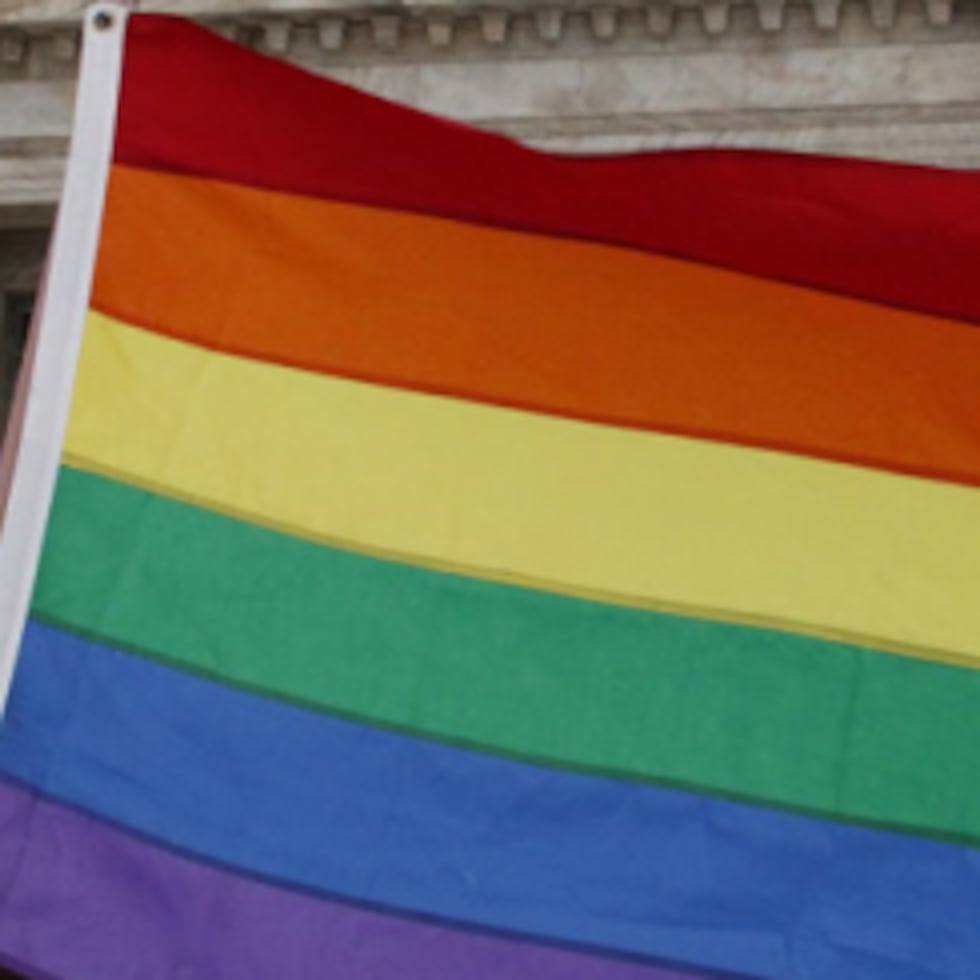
column 897, row 79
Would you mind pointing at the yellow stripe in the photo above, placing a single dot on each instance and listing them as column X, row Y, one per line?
column 630, row 516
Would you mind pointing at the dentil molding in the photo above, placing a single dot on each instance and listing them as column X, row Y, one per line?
column 276, row 25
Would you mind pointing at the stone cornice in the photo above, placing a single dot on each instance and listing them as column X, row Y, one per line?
column 437, row 26
column 893, row 79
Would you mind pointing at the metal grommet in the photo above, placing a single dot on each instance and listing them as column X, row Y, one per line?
column 103, row 20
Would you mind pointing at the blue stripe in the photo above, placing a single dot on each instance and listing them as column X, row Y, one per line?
column 402, row 823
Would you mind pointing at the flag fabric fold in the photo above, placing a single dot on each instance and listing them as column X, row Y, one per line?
column 466, row 562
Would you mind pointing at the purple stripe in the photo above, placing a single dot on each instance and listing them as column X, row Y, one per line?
column 80, row 899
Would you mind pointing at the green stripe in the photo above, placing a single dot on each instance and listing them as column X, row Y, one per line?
column 755, row 714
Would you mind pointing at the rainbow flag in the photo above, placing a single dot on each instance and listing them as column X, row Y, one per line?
column 430, row 559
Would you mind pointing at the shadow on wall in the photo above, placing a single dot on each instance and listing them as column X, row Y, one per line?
column 16, row 320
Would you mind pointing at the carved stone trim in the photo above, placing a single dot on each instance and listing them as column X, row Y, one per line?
column 45, row 31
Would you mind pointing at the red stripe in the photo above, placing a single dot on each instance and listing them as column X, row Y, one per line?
column 906, row 236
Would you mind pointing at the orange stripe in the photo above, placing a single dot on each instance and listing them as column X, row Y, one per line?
column 546, row 324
